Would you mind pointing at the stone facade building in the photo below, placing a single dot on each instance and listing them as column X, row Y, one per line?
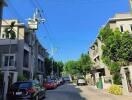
column 123, row 21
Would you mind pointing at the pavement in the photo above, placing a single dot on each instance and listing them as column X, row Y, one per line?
column 91, row 93
column 73, row 92
column 64, row 92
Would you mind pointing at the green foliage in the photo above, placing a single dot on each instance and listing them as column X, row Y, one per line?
column 85, row 63
column 21, row 78
column 10, row 34
column 80, row 67
column 117, row 79
column 72, row 67
column 104, row 33
column 48, row 66
column 117, row 48
column 57, row 66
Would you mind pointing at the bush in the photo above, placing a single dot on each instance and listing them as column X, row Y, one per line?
column 117, row 79
column 115, row 89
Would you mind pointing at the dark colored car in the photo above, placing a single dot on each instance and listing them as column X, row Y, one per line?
column 50, row 84
column 66, row 79
column 29, row 90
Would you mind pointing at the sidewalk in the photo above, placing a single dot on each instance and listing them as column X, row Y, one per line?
column 117, row 97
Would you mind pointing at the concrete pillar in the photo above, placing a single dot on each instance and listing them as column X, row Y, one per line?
column 130, row 70
column 97, row 76
column 102, row 77
column 15, row 77
column 6, row 75
column 124, row 81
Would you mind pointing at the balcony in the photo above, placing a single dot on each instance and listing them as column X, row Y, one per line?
column 7, row 41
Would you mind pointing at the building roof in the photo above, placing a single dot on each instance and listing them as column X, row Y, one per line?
column 119, row 17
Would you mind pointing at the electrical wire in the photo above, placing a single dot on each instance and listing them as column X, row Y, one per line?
column 15, row 11
column 35, row 4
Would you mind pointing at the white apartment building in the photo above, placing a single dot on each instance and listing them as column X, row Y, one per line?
column 22, row 56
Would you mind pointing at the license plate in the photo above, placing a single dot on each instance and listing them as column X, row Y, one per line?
column 18, row 93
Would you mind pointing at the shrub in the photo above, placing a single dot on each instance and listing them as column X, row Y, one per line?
column 117, row 79
column 115, row 89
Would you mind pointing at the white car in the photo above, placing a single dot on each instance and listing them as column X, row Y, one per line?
column 81, row 81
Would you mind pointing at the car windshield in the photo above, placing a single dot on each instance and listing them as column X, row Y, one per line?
column 22, row 85
column 50, row 81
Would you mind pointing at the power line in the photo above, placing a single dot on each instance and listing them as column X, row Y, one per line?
column 33, row 4
column 15, row 11
column 43, row 15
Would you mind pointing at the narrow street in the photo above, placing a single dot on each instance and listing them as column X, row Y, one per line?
column 72, row 92
column 64, row 92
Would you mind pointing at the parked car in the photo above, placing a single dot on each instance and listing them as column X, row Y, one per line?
column 81, row 81
column 50, row 84
column 57, row 81
column 66, row 79
column 61, row 80
column 31, row 90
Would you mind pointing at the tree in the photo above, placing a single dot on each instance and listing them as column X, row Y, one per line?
column 79, row 67
column 85, row 63
column 57, row 66
column 9, row 33
column 117, row 50
column 72, row 67
column 48, row 66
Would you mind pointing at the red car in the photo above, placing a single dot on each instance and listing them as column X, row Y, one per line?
column 50, row 84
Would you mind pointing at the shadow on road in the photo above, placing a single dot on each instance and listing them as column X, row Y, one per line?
column 64, row 92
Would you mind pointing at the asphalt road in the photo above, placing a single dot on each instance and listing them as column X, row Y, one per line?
column 64, row 92
column 73, row 92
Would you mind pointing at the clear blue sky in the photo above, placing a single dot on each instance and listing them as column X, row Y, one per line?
column 72, row 24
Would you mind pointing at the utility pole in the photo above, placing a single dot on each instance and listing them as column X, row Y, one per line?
column 33, row 26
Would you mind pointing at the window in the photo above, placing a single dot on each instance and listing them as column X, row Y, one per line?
column 9, row 59
column 121, row 28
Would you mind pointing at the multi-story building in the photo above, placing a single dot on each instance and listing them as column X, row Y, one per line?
column 22, row 56
column 123, row 21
